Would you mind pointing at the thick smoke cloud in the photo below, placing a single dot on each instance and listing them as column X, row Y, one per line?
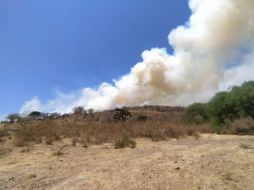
column 213, row 50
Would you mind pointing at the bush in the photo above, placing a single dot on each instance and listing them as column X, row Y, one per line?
column 78, row 110
column 197, row 113
column 122, row 115
column 124, row 142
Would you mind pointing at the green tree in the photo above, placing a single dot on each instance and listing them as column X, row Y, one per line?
column 13, row 117
column 237, row 103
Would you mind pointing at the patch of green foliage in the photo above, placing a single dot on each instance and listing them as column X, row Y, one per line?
column 13, row 117
column 197, row 113
column 224, row 107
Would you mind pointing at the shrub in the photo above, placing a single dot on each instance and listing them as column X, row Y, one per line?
column 124, row 142
column 78, row 110
column 142, row 118
column 197, row 113
column 122, row 115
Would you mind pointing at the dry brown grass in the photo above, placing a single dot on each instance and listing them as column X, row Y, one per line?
column 124, row 142
column 244, row 126
column 102, row 127
column 3, row 132
column 58, row 151
column 4, row 151
column 93, row 132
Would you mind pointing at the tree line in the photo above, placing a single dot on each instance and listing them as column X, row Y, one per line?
column 224, row 107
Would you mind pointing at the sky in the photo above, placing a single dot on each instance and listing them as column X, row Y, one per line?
column 59, row 54
column 48, row 46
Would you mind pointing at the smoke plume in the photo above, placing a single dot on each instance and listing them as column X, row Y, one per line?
column 213, row 50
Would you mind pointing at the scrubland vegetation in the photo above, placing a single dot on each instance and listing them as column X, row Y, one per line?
column 227, row 112
column 230, row 112
column 117, row 126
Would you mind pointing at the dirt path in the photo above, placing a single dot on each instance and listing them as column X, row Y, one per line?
column 213, row 162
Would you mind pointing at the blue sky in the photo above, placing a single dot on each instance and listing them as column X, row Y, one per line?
column 51, row 45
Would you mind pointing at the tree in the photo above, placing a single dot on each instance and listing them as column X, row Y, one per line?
column 237, row 103
column 35, row 114
column 246, row 99
column 13, row 117
column 78, row 110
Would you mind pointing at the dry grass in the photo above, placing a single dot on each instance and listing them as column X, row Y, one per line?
column 25, row 149
column 97, row 133
column 102, row 127
column 243, row 126
column 124, row 142
column 19, row 142
column 4, row 151
column 3, row 133
column 59, row 150
column 74, row 141
column 2, row 140
column 245, row 146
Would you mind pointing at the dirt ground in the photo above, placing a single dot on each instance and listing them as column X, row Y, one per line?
column 212, row 162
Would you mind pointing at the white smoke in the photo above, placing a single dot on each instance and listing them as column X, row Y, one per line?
column 213, row 50
column 32, row 105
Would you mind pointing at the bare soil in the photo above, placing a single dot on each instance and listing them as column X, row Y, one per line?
column 212, row 162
